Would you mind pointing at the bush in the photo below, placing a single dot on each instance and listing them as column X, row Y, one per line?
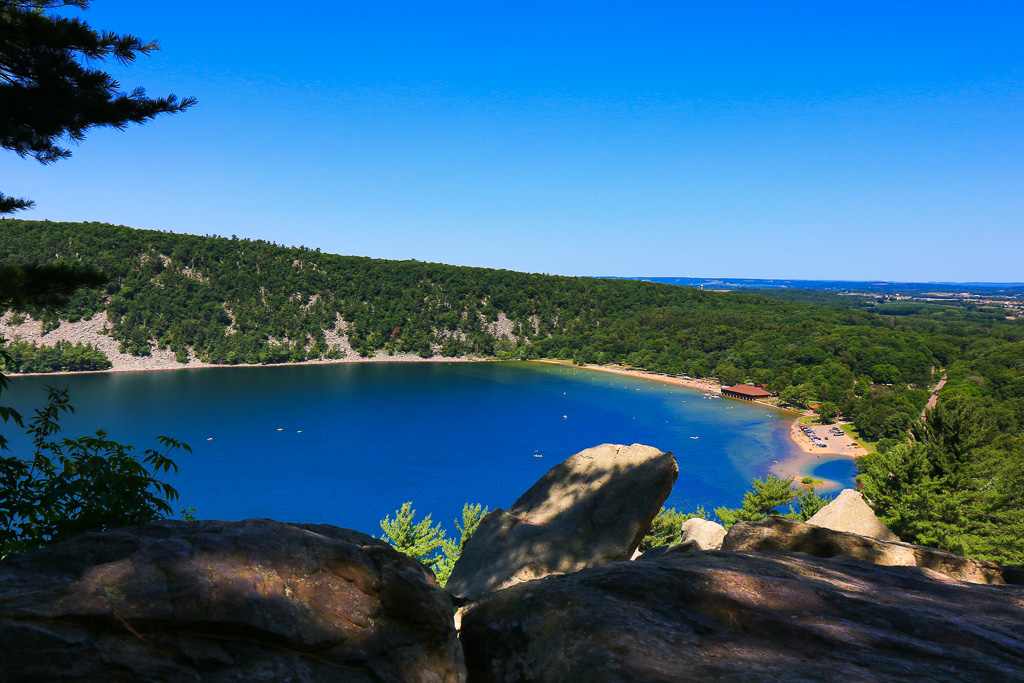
column 72, row 486
column 666, row 528
column 421, row 541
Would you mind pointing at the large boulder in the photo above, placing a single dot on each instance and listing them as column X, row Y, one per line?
column 591, row 509
column 777, row 533
column 849, row 512
column 215, row 601
column 696, row 535
column 702, row 534
column 720, row 616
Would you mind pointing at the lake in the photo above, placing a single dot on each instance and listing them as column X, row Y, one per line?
column 347, row 444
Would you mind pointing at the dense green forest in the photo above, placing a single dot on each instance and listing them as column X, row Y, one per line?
column 959, row 483
column 23, row 356
column 230, row 300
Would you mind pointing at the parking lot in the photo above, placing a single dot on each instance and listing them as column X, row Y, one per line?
column 823, row 439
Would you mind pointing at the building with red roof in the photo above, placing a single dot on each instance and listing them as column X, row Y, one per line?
column 748, row 392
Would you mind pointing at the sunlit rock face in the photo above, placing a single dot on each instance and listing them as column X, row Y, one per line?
column 589, row 510
column 695, row 535
column 701, row 534
column 255, row 600
column 760, row 616
column 849, row 512
column 776, row 533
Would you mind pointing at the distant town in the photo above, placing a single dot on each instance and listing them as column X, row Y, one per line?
column 994, row 298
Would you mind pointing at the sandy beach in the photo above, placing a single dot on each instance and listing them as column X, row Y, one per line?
column 796, row 466
column 801, row 464
column 702, row 385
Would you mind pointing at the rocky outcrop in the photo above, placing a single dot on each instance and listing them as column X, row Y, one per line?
column 848, row 512
column 697, row 534
column 254, row 600
column 776, row 533
column 591, row 509
column 722, row 616
column 701, row 534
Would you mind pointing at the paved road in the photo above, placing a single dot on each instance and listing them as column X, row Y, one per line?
column 934, row 397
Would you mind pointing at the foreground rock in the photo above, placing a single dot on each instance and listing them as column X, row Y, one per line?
column 591, row 509
column 254, row 600
column 720, row 616
column 848, row 512
column 776, row 533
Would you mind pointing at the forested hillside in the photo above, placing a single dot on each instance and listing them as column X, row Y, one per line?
column 229, row 300
column 959, row 484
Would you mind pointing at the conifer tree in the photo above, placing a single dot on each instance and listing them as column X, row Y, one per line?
column 667, row 527
column 417, row 540
column 451, row 551
column 50, row 92
column 767, row 494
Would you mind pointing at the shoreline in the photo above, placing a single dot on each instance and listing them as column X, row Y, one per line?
column 397, row 358
column 798, row 465
column 701, row 385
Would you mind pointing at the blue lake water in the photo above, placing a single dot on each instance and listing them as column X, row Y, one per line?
column 840, row 469
column 348, row 444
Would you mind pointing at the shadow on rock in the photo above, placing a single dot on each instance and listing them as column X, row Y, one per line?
column 719, row 615
column 255, row 600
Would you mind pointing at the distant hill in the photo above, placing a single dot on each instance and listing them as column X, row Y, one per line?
column 872, row 286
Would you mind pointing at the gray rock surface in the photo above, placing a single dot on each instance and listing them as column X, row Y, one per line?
column 591, row 509
column 749, row 617
column 222, row 601
column 776, row 533
column 849, row 512
column 701, row 534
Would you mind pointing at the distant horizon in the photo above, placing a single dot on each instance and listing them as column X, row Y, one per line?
column 877, row 281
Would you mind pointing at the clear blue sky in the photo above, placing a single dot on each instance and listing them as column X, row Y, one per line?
column 764, row 139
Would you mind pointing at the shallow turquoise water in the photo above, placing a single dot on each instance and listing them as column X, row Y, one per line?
column 838, row 469
column 347, row 444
